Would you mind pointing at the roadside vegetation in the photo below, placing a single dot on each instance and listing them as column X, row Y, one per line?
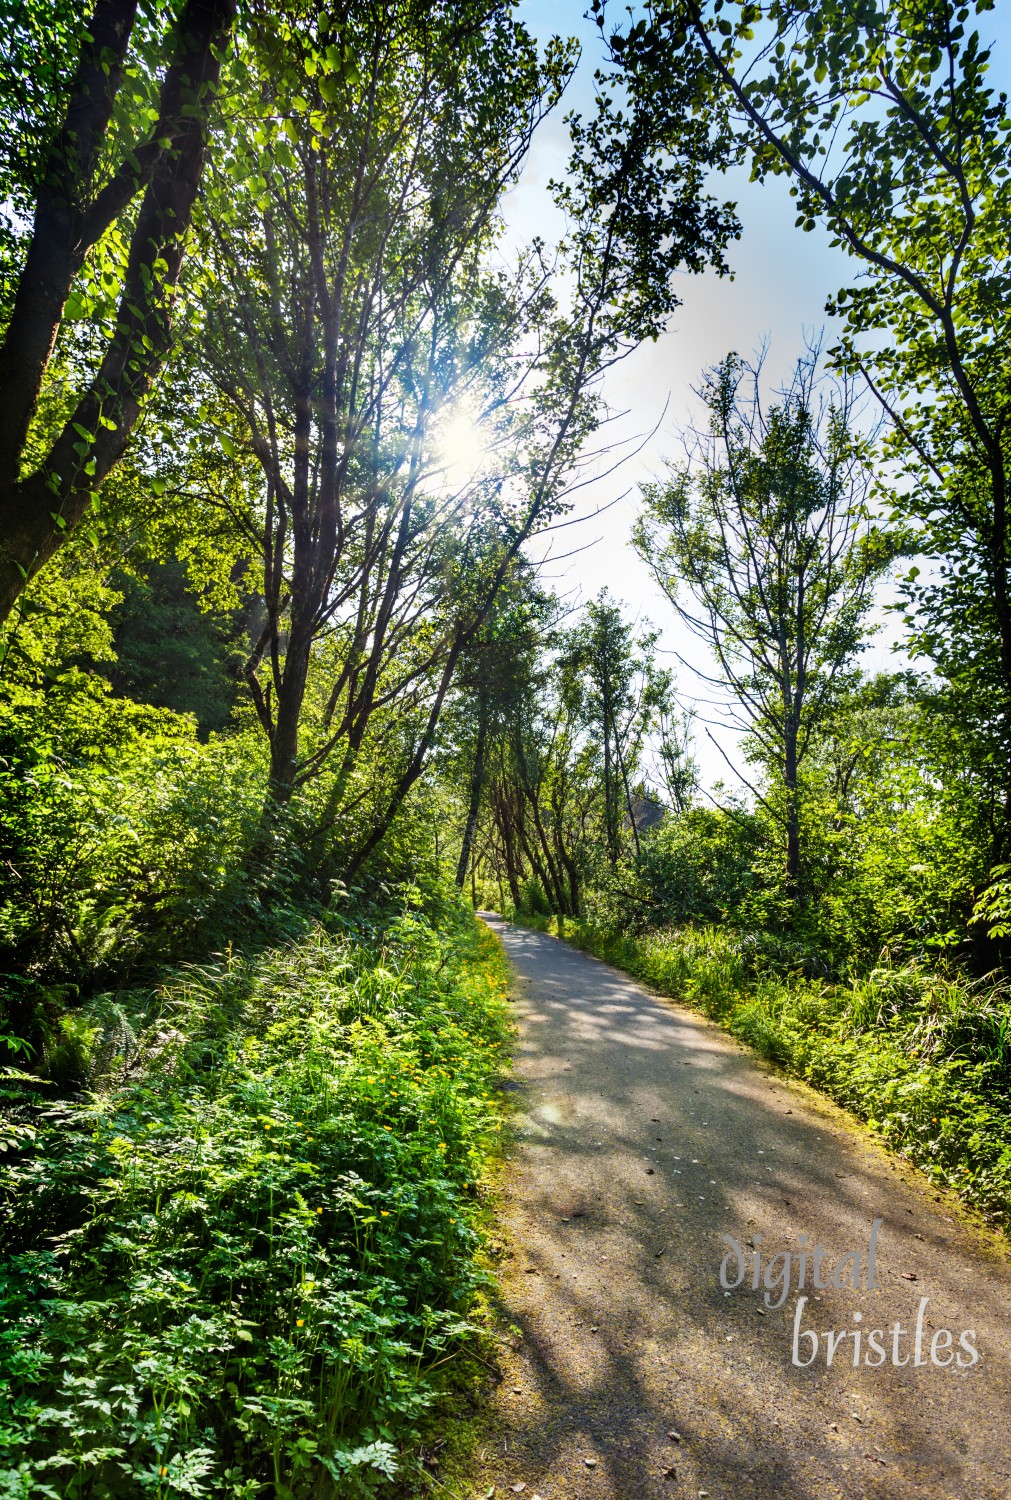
column 235, row 1260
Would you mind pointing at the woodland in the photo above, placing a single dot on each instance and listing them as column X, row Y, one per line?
column 284, row 697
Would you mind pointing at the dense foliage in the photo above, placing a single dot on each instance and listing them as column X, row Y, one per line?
column 232, row 1264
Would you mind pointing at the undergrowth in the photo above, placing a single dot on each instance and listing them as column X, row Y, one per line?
column 232, row 1271
column 924, row 1058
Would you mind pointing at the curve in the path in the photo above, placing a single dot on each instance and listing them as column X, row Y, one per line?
column 645, row 1135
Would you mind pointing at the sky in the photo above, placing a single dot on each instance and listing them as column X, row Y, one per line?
column 782, row 278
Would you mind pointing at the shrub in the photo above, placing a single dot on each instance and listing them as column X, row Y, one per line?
column 233, row 1268
column 699, row 866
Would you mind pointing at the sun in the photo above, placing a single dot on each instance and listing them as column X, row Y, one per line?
column 461, row 445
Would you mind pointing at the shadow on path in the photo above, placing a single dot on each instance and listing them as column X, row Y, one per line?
column 645, row 1135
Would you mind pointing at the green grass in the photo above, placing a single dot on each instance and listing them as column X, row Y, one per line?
column 235, row 1271
column 923, row 1058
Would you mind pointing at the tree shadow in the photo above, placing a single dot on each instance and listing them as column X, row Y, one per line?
column 645, row 1135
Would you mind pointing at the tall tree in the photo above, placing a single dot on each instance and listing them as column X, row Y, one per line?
column 564, row 790
column 495, row 676
column 763, row 543
column 617, row 694
column 884, row 119
column 349, row 308
column 76, row 168
column 353, row 302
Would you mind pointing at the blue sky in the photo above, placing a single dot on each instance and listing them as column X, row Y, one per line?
column 782, row 278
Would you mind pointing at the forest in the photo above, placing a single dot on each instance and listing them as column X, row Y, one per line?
column 285, row 695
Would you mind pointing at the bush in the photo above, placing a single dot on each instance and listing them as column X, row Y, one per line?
column 234, row 1267
column 533, row 901
column 699, row 866
column 133, row 853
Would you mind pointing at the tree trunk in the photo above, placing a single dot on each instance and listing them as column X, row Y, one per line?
column 476, row 789
column 59, row 241
column 792, row 812
column 39, row 511
column 509, row 841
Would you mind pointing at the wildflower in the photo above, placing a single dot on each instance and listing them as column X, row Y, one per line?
column 299, row 1322
column 319, row 1210
column 384, row 1213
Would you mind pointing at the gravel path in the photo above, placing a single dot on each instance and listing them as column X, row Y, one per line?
column 646, row 1134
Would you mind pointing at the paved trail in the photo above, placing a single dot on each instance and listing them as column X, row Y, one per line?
column 645, row 1135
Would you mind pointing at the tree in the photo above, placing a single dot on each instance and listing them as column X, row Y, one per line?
column 616, row 694
column 763, row 543
column 353, row 303
column 349, row 308
column 168, row 651
column 545, row 800
column 77, row 168
column 564, row 794
column 677, row 770
column 884, row 121
column 494, row 677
